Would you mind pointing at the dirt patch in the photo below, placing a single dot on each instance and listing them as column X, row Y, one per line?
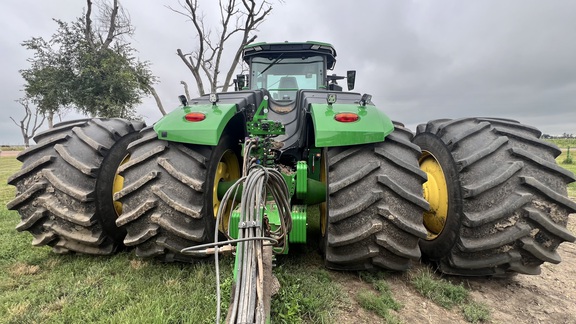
column 9, row 153
column 138, row 264
column 547, row 298
column 21, row 269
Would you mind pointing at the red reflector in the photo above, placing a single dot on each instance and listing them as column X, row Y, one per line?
column 195, row 117
column 346, row 117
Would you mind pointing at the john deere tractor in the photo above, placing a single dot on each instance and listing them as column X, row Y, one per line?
column 237, row 171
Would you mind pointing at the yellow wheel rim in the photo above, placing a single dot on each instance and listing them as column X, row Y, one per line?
column 117, row 185
column 228, row 169
column 436, row 193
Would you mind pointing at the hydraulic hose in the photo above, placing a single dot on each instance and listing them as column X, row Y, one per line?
column 249, row 304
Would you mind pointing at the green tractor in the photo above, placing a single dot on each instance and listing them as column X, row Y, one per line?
column 237, row 171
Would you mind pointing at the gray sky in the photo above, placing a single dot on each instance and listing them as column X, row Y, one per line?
column 420, row 60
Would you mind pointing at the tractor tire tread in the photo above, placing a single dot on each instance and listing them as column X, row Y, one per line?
column 514, row 206
column 374, row 210
column 163, row 198
column 56, row 194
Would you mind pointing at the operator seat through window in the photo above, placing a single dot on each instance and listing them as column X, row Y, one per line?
column 288, row 86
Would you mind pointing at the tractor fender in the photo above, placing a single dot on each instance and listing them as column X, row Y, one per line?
column 372, row 125
column 204, row 125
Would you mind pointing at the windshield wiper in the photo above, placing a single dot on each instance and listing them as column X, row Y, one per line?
column 271, row 64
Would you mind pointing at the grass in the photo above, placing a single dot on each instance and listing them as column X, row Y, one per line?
column 570, row 167
column 475, row 312
column 564, row 161
column 8, row 165
column 38, row 286
column 381, row 300
column 447, row 295
column 439, row 291
column 307, row 293
column 11, row 147
column 563, row 142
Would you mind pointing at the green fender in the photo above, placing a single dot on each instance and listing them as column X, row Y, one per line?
column 174, row 126
column 371, row 127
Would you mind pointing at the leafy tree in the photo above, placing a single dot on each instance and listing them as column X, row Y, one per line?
column 47, row 78
column 88, row 65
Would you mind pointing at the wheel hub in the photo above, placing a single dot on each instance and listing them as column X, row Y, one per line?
column 117, row 185
column 228, row 169
column 436, row 193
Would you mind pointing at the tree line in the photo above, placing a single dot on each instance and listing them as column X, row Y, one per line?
column 564, row 135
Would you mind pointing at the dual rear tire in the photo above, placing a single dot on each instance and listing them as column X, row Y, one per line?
column 64, row 188
column 94, row 186
column 495, row 201
column 498, row 199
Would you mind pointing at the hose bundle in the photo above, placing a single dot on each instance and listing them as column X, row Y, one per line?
column 248, row 300
column 262, row 187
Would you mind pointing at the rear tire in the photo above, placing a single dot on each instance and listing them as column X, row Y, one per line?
column 62, row 193
column 374, row 205
column 507, row 204
column 167, row 198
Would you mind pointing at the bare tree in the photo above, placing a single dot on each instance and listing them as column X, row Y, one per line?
column 28, row 131
column 237, row 17
column 158, row 101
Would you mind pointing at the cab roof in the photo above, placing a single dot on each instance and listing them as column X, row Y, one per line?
column 291, row 49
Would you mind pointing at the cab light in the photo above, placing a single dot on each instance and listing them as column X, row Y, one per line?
column 346, row 117
column 195, row 117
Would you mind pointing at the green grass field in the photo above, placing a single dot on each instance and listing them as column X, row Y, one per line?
column 563, row 142
column 570, row 167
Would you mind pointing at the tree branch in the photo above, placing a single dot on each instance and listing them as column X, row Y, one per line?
column 236, row 17
column 253, row 19
column 199, row 25
column 194, row 71
column 15, row 121
column 88, row 30
column 24, row 124
column 185, row 89
column 112, row 26
column 158, row 101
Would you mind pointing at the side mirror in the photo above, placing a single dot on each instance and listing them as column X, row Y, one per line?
column 350, row 79
column 241, row 82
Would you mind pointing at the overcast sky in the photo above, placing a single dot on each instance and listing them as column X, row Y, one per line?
column 420, row 60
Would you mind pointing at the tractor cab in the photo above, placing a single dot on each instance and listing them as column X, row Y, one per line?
column 285, row 68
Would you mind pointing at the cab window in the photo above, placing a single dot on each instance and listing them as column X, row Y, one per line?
column 283, row 77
